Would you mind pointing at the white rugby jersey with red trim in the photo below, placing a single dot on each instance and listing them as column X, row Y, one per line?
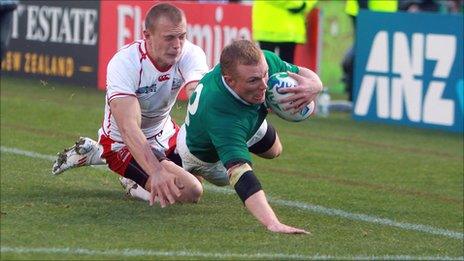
column 131, row 72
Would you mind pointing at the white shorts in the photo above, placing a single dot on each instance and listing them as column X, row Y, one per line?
column 215, row 172
column 118, row 156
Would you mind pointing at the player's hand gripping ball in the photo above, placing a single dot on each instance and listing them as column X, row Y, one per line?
column 275, row 84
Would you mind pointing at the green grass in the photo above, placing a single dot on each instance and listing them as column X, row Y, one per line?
column 397, row 173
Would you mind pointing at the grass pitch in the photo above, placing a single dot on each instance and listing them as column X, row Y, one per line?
column 365, row 191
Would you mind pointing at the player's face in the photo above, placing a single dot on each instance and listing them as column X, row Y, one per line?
column 165, row 41
column 250, row 82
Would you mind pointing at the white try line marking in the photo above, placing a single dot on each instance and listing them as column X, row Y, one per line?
column 154, row 253
column 353, row 216
column 300, row 205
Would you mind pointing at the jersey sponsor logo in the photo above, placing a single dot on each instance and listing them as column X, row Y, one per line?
column 163, row 77
column 147, row 89
column 176, row 83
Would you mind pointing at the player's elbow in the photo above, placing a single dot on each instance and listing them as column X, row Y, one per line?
column 274, row 151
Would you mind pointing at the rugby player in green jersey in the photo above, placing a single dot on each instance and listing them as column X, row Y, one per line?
column 226, row 122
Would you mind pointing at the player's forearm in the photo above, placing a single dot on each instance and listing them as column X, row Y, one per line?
column 249, row 190
column 138, row 145
column 259, row 207
column 126, row 112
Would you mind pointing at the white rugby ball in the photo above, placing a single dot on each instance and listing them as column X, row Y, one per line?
column 275, row 84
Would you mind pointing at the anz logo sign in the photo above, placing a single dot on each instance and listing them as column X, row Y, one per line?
column 410, row 77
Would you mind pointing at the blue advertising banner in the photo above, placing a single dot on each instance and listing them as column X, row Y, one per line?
column 409, row 69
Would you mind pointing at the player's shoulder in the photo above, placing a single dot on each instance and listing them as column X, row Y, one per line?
column 272, row 59
column 191, row 50
column 212, row 78
column 129, row 53
column 189, row 46
column 278, row 65
column 209, row 83
column 270, row 56
column 215, row 92
column 126, row 61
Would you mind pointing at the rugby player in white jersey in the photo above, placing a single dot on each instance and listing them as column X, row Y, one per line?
column 137, row 138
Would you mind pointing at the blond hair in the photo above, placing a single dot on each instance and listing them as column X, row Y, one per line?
column 242, row 52
column 166, row 10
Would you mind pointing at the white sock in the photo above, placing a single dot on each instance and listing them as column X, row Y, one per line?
column 95, row 157
column 140, row 193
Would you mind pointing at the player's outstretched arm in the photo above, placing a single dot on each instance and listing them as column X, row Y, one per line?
column 249, row 190
column 260, row 208
column 161, row 183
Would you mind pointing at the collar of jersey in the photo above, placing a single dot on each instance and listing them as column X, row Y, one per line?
column 233, row 92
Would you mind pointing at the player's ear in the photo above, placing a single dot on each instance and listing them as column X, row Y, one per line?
column 146, row 34
column 229, row 80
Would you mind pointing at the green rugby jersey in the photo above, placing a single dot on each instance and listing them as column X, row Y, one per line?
column 218, row 125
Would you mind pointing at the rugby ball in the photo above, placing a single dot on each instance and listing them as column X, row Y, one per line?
column 275, row 84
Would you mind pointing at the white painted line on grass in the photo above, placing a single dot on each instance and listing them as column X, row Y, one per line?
column 154, row 253
column 372, row 219
column 353, row 216
column 302, row 206
column 27, row 153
